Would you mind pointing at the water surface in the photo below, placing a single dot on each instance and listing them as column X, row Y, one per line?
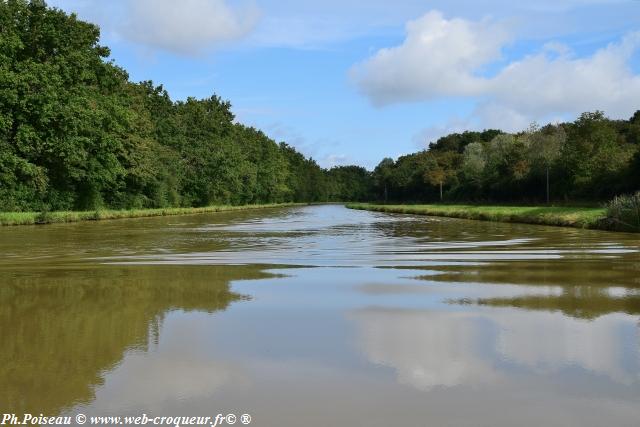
column 319, row 316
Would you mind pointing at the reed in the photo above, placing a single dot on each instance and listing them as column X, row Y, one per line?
column 623, row 212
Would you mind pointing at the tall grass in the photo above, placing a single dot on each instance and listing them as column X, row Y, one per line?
column 31, row 218
column 624, row 212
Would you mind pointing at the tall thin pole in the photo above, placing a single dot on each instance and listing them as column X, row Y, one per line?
column 548, row 184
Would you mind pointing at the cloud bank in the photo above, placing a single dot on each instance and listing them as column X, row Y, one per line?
column 443, row 57
column 438, row 58
column 189, row 26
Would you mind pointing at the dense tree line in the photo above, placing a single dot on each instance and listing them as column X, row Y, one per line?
column 75, row 133
column 592, row 158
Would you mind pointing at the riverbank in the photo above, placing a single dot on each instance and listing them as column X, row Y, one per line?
column 579, row 217
column 33, row 218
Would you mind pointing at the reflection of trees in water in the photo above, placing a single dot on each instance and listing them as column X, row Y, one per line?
column 584, row 302
column 61, row 329
column 585, row 286
column 564, row 272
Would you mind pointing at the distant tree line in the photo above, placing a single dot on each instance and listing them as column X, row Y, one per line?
column 592, row 158
column 75, row 133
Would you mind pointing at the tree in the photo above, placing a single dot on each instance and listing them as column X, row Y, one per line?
column 75, row 133
column 593, row 156
column 63, row 109
column 442, row 168
column 545, row 148
column 382, row 176
column 349, row 184
column 473, row 164
column 459, row 141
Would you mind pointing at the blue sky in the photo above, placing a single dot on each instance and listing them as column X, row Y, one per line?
column 353, row 81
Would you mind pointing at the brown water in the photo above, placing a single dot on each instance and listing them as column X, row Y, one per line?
column 322, row 316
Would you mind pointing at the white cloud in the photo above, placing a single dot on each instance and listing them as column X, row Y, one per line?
column 446, row 58
column 188, row 26
column 542, row 84
column 438, row 58
column 321, row 24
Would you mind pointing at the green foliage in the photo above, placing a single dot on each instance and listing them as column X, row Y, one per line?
column 63, row 110
column 383, row 177
column 593, row 158
column 457, row 142
column 306, row 181
column 76, row 134
column 624, row 212
column 349, row 183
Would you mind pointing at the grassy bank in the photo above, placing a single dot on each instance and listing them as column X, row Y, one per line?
column 581, row 217
column 31, row 218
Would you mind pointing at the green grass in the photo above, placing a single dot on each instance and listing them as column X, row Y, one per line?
column 580, row 217
column 31, row 218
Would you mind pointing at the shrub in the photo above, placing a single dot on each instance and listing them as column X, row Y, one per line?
column 624, row 212
column 44, row 217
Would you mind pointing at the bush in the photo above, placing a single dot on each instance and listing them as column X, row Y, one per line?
column 624, row 212
column 44, row 217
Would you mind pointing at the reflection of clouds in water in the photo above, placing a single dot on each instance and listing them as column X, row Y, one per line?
column 430, row 349
column 552, row 341
column 427, row 349
column 148, row 381
column 179, row 368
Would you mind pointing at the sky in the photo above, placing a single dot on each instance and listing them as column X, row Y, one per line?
column 354, row 81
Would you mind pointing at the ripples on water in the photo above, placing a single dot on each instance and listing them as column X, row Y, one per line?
column 288, row 314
